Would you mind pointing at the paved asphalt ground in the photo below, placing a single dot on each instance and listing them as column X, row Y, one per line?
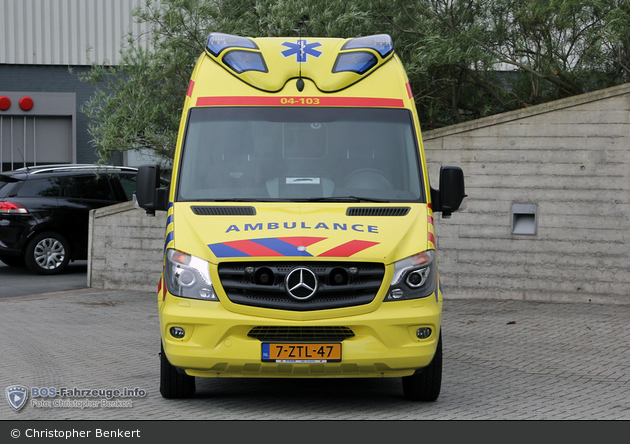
column 503, row 360
column 20, row 281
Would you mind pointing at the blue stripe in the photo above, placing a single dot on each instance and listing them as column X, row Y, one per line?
column 282, row 247
column 169, row 220
column 222, row 250
column 169, row 237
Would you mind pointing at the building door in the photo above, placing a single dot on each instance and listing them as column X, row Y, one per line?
column 34, row 140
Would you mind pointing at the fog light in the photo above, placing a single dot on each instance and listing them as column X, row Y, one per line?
column 423, row 332
column 177, row 332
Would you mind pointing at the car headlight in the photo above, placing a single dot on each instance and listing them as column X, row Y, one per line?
column 414, row 277
column 188, row 276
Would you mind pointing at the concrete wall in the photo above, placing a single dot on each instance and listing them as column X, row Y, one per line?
column 570, row 159
column 125, row 248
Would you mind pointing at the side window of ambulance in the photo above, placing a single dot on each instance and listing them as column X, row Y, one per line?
column 40, row 188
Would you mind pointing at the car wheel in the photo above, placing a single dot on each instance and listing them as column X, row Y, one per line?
column 174, row 384
column 425, row 384
column 48, row 253
column 13, row 261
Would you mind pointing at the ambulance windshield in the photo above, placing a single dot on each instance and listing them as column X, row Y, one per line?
column 302, row 153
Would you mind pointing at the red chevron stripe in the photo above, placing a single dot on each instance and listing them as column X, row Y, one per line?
column 252, row 248
column 348, row 249
column 300, row 241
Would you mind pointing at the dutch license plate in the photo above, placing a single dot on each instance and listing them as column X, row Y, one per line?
column 301, row 353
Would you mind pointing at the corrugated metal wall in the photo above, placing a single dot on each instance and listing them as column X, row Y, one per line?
column 58, row 32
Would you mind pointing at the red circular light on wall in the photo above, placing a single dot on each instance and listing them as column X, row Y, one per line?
column 5, row 103
column 26, row 103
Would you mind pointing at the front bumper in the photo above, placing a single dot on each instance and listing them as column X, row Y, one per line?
column 216, row 342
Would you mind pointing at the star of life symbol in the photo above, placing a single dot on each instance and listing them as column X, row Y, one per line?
column 302, row 49
column 16, row 396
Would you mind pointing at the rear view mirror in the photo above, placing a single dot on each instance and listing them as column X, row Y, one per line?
column 449, row 197
column 148, row 194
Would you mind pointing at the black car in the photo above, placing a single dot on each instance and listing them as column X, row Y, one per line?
column 44, row 211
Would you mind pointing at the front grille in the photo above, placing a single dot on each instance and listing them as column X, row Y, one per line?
column 293, row 334
column 375, row 211
column 339, row 284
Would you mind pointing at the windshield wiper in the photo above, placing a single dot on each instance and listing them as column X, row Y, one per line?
column 341, row 199
column 242, row 199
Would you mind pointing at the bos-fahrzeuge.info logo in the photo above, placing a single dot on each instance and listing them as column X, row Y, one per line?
column 17, row 396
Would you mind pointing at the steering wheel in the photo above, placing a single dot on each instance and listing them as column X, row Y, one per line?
column 368, row 178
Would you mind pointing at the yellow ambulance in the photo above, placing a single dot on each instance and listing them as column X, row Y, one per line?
column 300, row 237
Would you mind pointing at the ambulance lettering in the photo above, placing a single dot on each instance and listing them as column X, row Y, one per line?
column 361, row 228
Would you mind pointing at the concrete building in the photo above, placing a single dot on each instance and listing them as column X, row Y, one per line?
column 40, row 99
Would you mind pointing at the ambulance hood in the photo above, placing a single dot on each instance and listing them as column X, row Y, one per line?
column 283, row 230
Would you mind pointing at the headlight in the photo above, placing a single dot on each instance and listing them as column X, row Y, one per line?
column 188, row 276
column 414, row 277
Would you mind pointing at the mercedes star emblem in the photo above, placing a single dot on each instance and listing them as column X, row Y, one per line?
column 301, row 283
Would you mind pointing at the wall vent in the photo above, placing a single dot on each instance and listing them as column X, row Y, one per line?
column 524, row 219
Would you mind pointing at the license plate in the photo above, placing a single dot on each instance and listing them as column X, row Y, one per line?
column 301, row 353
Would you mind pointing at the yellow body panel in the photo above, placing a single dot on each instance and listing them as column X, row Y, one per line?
column 216, row 342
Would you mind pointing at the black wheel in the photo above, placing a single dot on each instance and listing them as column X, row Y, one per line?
column 425, row 384
column 174, row 384
column 13, row 261
column 48, row 253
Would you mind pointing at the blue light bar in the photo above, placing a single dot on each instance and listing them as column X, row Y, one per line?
column 241, row 61
column 359, row 62
column 381, row 43
column 217, row 42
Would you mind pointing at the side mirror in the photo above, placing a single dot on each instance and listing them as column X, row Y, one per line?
column 149, row 195
column 449, row 197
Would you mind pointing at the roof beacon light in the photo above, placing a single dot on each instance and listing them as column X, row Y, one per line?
column 241, row 61
column 381, row 43
column 217, row 42
column 359, row 62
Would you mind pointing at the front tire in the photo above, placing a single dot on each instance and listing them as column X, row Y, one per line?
column 425, row 384
column 173, row 384
column 48, row 253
